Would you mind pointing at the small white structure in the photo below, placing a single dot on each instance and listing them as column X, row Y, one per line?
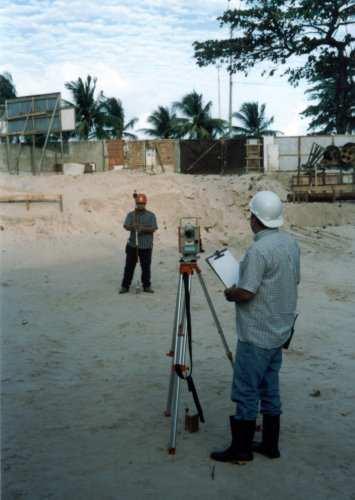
column 67, row 116
column 150, row 158
column 73, row 168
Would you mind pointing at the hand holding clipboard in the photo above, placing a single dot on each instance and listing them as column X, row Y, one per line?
column 225, row 266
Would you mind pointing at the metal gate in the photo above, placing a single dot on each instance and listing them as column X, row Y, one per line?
column 213, row 156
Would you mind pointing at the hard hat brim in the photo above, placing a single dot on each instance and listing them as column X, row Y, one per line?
column 272, row 224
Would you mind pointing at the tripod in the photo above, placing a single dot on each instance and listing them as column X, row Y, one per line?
column 181, row 338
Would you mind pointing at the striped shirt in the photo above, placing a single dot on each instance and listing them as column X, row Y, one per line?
column 271, row 270
column 143, row 218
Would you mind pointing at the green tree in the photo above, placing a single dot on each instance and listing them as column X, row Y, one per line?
column 323, row 112
column 89, row 114
column 165, row 124
column 7, row 88
column 196, row 121
column 253, row 120
column 280, row 31
column 113, row 125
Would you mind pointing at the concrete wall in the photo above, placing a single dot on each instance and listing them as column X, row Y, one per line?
column 145, row 154
column 74, row 152
column 288, row 153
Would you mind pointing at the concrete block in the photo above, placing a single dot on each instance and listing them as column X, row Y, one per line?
column 73, row 168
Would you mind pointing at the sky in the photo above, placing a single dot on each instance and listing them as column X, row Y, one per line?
column 139, row 50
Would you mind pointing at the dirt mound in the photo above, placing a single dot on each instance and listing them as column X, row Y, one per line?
column 99, row 202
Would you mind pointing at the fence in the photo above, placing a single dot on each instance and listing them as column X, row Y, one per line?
column 213, row 157
column 158, row 155
column 23, row 158
column 289, row 153
column 186, row 156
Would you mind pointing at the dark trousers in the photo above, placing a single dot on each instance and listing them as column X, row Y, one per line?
column 145, row 259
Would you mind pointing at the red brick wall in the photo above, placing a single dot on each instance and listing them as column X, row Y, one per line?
column 115, row 153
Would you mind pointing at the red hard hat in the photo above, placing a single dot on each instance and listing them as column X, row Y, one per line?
column 141, row 199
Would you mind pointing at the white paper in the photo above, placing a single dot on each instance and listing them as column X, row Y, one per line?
column 225, row 266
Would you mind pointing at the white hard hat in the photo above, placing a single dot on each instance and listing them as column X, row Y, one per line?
column 267, row 207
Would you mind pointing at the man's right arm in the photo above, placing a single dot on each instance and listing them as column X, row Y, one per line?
column 129, row 222
column 236, row 294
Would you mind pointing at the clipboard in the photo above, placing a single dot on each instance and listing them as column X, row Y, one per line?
column 225, row 266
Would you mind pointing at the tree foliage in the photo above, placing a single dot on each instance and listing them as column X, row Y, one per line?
column 113, row 123
column 196, row 121
column 253, row 120
column 89, row 115
column 164, row 124
column 98, row 117
column 7, row 88
column 323, row 113
column 283, row 31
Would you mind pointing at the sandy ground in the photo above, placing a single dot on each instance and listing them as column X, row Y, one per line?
column 84, row 371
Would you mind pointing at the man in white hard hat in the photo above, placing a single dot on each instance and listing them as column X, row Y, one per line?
column 266, row 298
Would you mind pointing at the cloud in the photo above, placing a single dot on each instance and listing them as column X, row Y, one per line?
column 140, row 51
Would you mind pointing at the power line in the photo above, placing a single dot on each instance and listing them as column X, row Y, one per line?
column 264, row 84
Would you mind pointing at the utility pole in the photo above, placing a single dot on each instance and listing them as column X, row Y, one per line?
column 219, row 89
column 230, row 109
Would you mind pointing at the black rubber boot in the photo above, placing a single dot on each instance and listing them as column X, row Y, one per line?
column 269, row 446
column 240, row 451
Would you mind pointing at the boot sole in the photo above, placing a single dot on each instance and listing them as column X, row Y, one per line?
column 233, row 461
column 266, row 453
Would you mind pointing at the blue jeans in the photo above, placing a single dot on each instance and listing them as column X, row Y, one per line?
column 256, row 379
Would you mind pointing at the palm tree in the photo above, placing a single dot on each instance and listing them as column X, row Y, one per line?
column 164, row 124
column 253, row 120
column 7, row 88
column 90, row 117
column 197, row 122
column 114, row 125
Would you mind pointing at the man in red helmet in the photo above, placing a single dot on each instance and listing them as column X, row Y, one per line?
column 141, row 224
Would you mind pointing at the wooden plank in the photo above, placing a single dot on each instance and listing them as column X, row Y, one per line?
column 324, row 178
column 28, row 197
column 32, row 198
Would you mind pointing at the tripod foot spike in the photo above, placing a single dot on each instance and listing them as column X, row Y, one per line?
column 172, row 451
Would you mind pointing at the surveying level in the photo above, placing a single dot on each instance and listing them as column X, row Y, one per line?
column 182, row 334
column 190, row 244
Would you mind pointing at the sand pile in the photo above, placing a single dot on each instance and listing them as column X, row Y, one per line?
column 98, row 203
column 85, row 373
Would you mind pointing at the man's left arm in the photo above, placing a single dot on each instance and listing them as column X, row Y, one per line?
column 146, row 229
column 251, row 273
column 149, row 229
